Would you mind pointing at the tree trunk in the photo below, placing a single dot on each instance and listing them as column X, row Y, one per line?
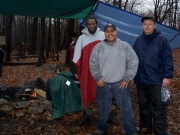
column 125, row 4
column 3, row 25
column 42, row 44
column 70, row 30
column 55, row 39
column 58, row 39
column 120, row 3
column 175, row 14
column 9, row 21
column 48, row 47
column 25, row 36
column 34, row 36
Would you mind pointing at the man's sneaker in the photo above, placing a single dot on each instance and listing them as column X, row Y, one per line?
column 99, row 132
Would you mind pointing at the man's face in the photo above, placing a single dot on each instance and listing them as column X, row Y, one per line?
column 148, row 26
column 110, row 35
column 92, row 26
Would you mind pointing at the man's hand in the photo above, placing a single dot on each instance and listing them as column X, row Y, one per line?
column 123, row 84
column 166, row 82
column 100, row 83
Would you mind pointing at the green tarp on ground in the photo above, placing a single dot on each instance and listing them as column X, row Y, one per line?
column 76, row 9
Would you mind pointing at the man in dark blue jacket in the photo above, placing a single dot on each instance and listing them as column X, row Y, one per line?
column 155, row 70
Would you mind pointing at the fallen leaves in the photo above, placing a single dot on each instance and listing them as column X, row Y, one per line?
column 67, row 125
column 17, row 75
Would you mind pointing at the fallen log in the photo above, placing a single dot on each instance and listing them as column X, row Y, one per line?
column 40, row 92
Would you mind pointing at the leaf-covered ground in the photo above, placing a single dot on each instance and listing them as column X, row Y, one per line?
column 68, row 124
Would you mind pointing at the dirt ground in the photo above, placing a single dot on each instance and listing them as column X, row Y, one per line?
column 68, row 124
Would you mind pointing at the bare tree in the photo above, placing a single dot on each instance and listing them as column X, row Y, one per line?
column 164, row 11
column 163, row 8
column 120, row 3
column 25, row 36
column 175, row 14
column 125, row 4
column 55, row 38
column 9, row 21
column 58, row 39
column 128, row 5
column 70, row 30
column 42, row 44
column 49, row 41
column 2, row 25
column 178, row 21
column 133, row 5
column 33, row 47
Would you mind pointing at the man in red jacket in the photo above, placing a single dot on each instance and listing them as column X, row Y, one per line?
column 91, row 37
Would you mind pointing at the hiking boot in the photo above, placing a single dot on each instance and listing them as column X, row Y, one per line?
column 145, row 131
column 99, row 132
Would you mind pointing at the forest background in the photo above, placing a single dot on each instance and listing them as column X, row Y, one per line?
column 46, row 37
column 34, row 45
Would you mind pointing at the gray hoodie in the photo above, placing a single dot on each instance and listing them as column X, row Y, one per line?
column 113, row 63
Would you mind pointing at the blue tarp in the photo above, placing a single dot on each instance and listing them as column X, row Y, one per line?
column 129, row 25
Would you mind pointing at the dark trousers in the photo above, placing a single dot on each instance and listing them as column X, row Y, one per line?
column 152, row 109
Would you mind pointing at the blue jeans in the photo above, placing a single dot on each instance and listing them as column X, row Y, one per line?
column 104, row 97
